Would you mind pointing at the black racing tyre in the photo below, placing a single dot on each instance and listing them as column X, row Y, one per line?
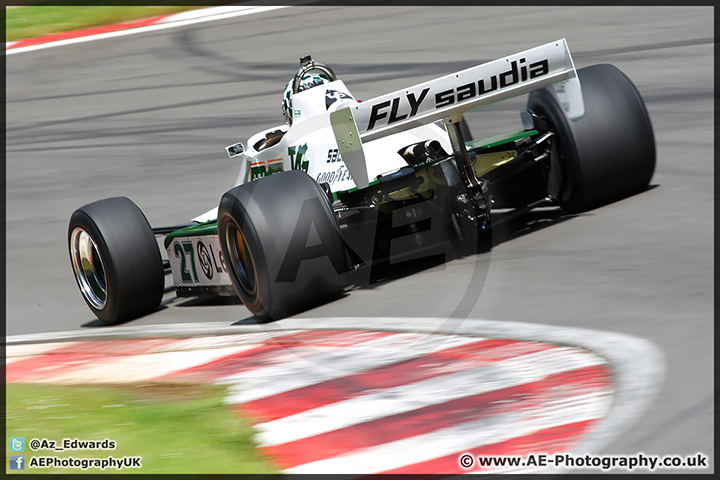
column 116, row 260
column 282, row 245
column 608, row 154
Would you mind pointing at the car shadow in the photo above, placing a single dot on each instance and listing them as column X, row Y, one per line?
column 513, row 224
column 506, row 226
column 209, row 300
column 250, row 320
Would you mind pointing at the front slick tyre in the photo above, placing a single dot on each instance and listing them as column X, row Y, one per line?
column 607, row 155
column 282, row 245
column 116, row 260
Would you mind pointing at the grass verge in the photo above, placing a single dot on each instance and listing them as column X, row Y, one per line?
column 175, row 428
column 47, row 19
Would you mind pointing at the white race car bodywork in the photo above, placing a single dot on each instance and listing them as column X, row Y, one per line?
column 310, row 144
column 395, row 120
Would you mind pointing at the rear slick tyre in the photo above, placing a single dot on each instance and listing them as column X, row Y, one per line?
column 607, row 155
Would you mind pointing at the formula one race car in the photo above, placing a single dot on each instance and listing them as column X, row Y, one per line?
column 346, row 187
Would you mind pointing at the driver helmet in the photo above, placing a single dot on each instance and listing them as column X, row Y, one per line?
column 310, row 80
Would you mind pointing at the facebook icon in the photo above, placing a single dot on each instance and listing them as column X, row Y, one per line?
column 17, row 462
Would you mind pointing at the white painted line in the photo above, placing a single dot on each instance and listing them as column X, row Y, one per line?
column 364, row 408
column 239, row 11
column 204, row 12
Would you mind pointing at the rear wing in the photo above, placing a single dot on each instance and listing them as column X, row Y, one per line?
column 446, row 98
